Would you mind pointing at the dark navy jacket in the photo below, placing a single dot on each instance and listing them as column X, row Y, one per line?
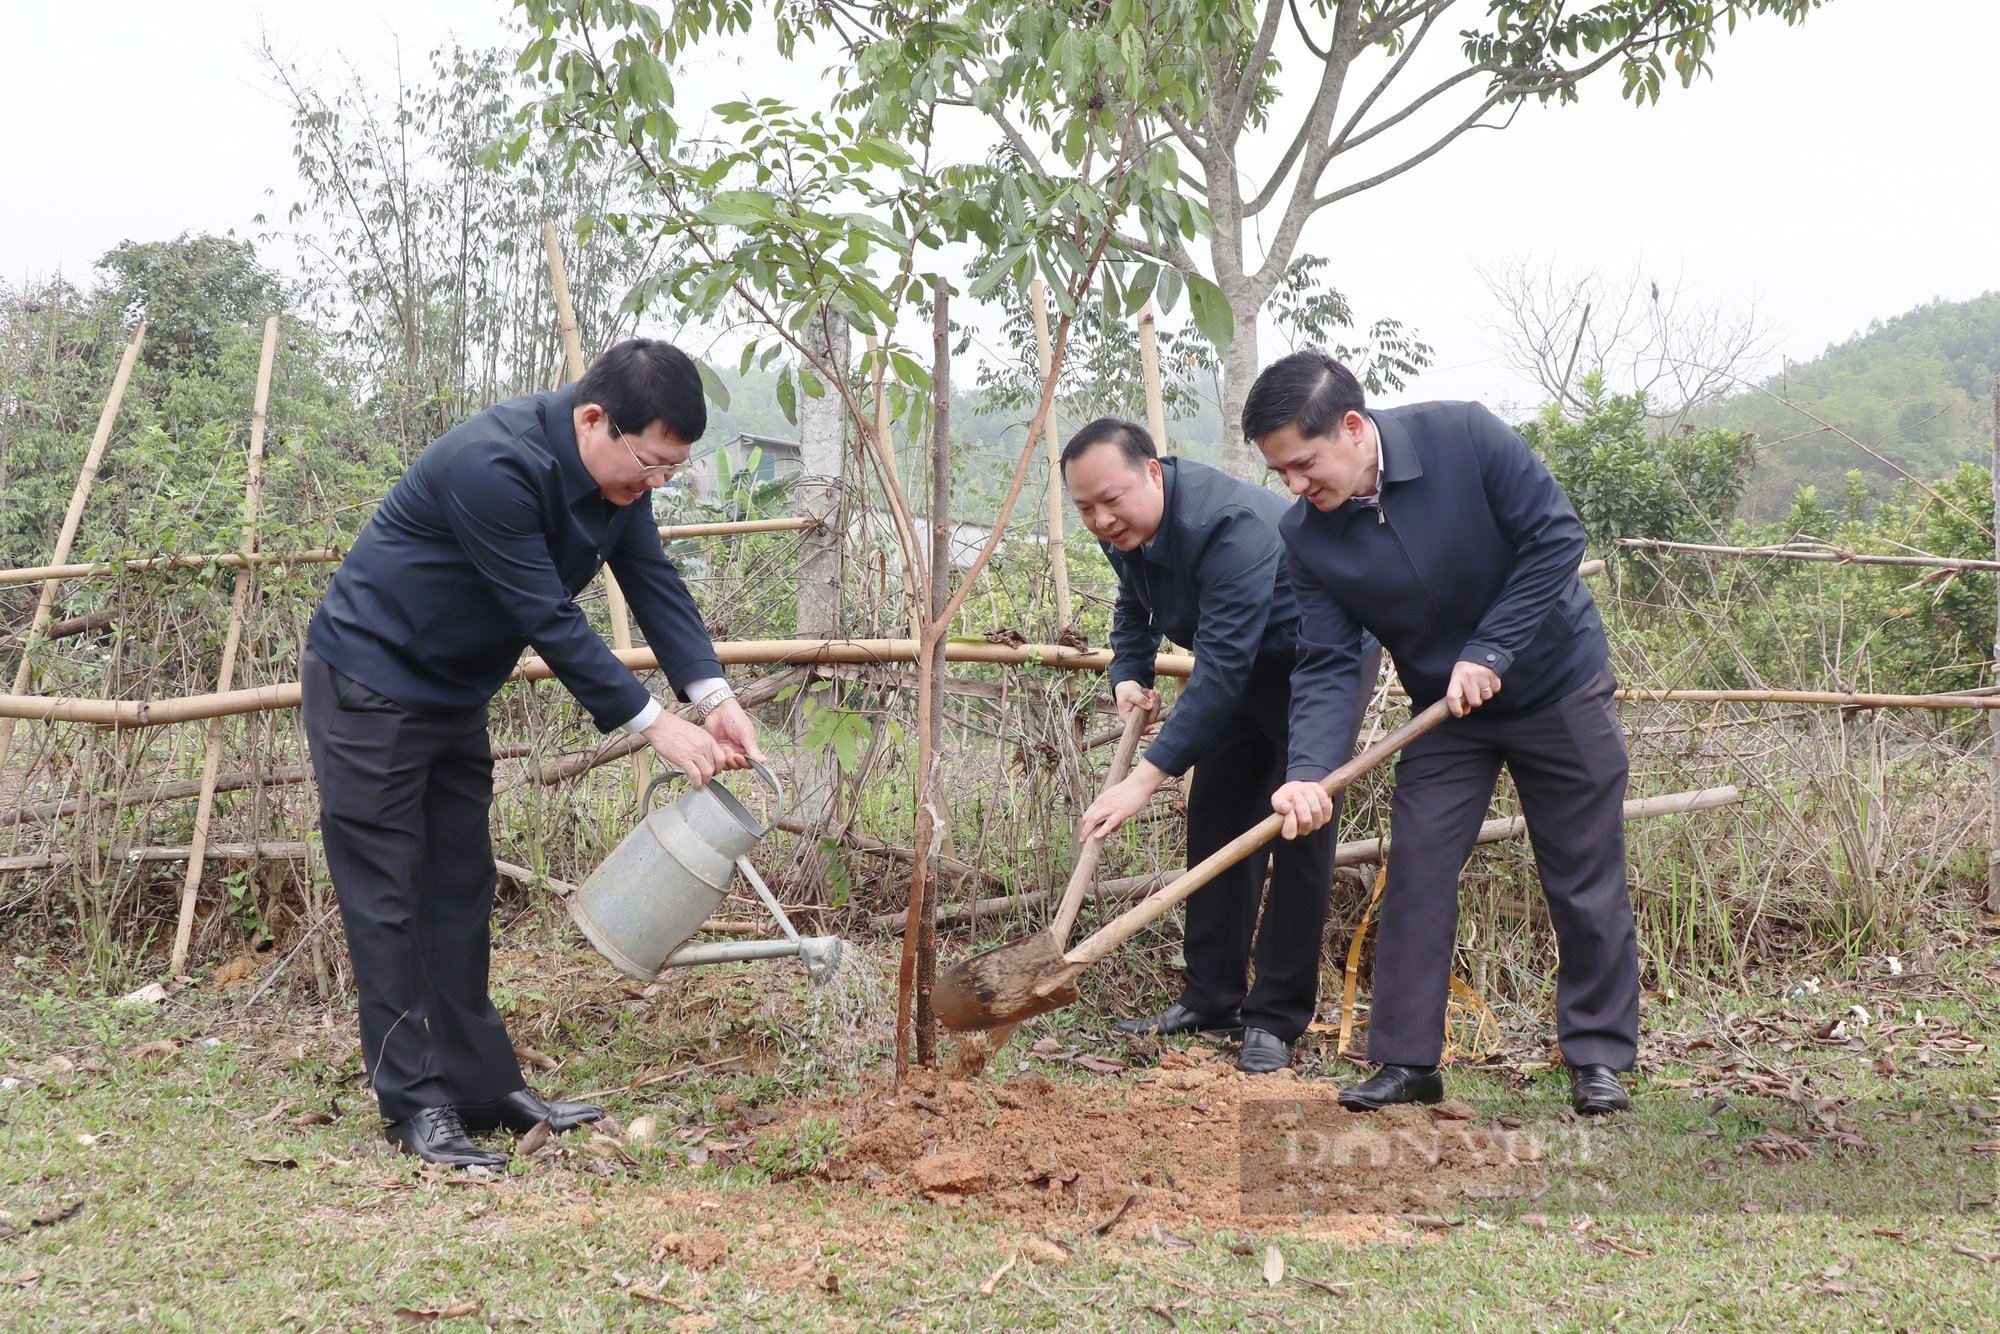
column 1472, row 554
column 480, row 551
column 1213, row 580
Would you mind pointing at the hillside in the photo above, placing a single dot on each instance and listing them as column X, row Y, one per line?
column 1917, row 388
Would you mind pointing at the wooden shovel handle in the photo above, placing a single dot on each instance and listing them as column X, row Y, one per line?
column 1143, row 913
column 1086, row 860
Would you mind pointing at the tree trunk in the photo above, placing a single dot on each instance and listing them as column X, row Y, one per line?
column 822, row 496
column 1239, row 370
column 919, row 967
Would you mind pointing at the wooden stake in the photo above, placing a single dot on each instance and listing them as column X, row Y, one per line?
column 1058, row 558
column 1149, row 363
column 239, row 603
column 614, row 596
column 1993, row 719
column 72, row 519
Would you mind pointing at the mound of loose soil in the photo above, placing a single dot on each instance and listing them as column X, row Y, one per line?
column 1191, row 1144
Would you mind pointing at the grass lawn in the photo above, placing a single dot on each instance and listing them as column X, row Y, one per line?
column 208, row 1162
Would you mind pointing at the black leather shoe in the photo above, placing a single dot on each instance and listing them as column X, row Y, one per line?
column 1178, row 1018
column 436, row 1135
column 523, row 1110
column 1262, row 1052
column 1595, row 1090
column 1393, row 1084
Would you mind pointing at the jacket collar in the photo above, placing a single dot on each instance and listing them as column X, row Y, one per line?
column 1159, row 549
column 557, row 407
column 1399, row 451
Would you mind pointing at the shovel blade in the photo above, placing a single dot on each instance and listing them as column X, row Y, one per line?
column 1004, row 985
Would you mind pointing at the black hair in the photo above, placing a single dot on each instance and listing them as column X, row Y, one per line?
column 645, row 380
column 1308, row 389
column 1132, row 440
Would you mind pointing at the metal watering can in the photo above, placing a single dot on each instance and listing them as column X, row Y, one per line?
column 643, row 903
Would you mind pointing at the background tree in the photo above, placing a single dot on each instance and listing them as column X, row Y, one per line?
column 1640, row 336
column 1378, row 99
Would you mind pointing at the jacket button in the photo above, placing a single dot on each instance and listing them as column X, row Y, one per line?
column 1492, row 657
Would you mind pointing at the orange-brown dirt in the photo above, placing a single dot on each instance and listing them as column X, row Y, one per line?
column 1167, row 1149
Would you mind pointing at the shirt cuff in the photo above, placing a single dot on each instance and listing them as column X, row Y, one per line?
column 645, row 718
column 697, row 691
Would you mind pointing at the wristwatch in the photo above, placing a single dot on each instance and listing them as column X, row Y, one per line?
column 711, row 702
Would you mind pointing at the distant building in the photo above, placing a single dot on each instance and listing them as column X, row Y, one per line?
column 776, row 459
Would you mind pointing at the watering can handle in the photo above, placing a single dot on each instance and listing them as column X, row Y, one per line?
column 761, row 769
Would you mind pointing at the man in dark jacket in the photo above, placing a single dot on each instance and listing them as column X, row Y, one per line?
column 478, row 552
column 1437, row 529
column 1199, row 562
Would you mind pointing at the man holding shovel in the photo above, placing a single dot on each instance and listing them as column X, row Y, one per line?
column 1435, row 528
column 1199, row 561
column 477, row 553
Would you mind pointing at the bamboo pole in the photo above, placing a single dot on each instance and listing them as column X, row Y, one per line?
column 1058, row 557
column 1993, row 719
column 239, row 604
column 72, row 519
column 1149, row 365
column 801, row 652
column 330, row 555
column 614, row 596
column 1354, row 852
column 1820, row 551
column 882, row 423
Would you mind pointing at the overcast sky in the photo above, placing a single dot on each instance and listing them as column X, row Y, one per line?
column 1830, row 174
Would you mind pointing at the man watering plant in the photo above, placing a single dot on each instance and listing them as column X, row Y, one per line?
column 1436, row 529
column 477, row 553
column 1199, row 561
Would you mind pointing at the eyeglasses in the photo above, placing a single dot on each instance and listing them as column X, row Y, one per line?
column 650, row 471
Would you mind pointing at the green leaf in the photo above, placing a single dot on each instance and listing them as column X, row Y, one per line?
column 738, row 208
column 1211, row 312
column 712, row 385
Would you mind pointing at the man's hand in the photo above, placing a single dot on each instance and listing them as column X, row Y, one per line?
column 1130, row 695
column 1120, row 802
column 1305, row 806
column 689, row 748
column 1471, row 686
column 730, row 725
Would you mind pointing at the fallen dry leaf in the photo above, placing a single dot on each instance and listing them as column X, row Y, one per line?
column 1045, row 1047
column 1428, row 1221
column 26, row 1278
column 1274, row 1266
column 1103, row 1065
column 992, row 1283
column 1991, row 1257
column 156, row 1054
column 424, row 1316
column 535, row 1139
column 1116, row 1214
column 530, row 1056
column 272, row 1115
column 234, row 973
column 60, row 1214
column 273, row 1161
column 1618, row 1247
column 1043, row 1251
column 151, row 994
column 309, row 1119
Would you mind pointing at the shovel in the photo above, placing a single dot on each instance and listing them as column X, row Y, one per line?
column 1024, row 978
column 978, row 1050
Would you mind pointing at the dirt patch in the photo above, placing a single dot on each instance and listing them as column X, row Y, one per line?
column 1192, row 1144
